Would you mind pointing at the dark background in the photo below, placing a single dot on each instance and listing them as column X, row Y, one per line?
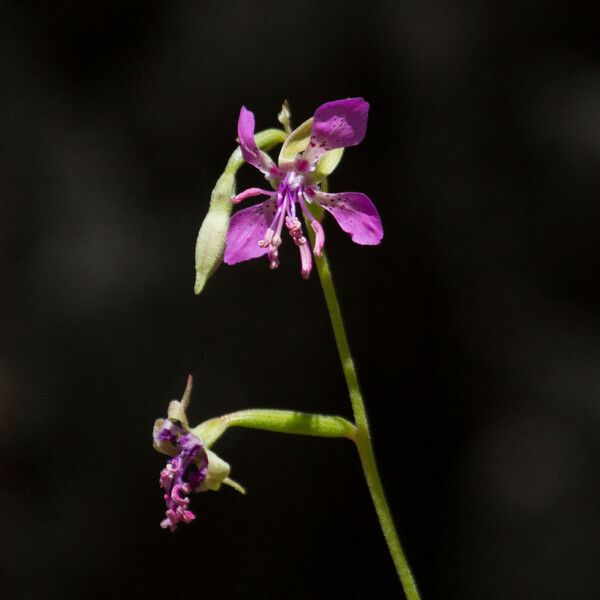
column 475, row 325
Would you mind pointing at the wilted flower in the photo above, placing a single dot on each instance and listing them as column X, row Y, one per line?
column 193, row 468
column 310, row 153
column 182, row 475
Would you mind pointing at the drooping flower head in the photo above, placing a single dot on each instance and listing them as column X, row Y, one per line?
column 309, row 154
column 193, row 468
column 182, row 475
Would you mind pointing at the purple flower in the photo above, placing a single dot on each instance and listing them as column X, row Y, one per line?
column 309, row 154
column 183, row 474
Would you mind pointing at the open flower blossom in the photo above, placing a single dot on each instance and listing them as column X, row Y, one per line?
column 309, row 154
column 193, row 468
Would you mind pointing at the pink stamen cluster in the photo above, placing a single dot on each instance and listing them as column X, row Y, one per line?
column 290, row 191
column 177, row 504
column 182, row 474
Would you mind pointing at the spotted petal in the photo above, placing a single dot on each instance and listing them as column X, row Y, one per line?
column 296, row 143
column 355, row 214
column 250, row 151
column 246, row 228
column 337, row 124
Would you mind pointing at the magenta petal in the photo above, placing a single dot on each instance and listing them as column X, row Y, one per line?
column 341, row 123
column 250, row 151
column 337, row 124
column 355, row 214
column 246, row 228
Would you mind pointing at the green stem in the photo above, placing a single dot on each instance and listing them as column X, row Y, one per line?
column 279, row 421
column 289, row 421
column 363, row 437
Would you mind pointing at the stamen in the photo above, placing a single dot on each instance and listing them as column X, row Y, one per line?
column 167, row 475
column 178, row 498
column 250, row 192
column 273, row 256
column 272, row 229
column 305, row 260
column 182, row 474
column 319, row 237
column 295, row 228
column 267, row 238
column 317, row 227
column 276, row 241
column 305, row 210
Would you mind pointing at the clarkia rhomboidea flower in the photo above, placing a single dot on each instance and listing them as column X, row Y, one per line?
column 193, row 468
column 309, row 154
column 183, row 474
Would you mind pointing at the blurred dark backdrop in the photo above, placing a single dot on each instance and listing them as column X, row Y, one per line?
column 475, row 325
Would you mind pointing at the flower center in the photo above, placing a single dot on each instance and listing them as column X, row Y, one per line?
column 292, row 189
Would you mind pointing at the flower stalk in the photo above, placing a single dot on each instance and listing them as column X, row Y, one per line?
column 299, row 189
column 363, row 434
column 279, row 421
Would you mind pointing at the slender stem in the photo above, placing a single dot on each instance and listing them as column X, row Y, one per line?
column 294, row 422
column 363, row 437
column 280, row 421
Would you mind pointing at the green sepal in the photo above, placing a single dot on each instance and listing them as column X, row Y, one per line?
column 217, row 474
column 297, row 142
column 325, row 165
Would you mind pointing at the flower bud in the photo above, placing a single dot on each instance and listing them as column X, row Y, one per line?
column 210, row 245
column 285, row 117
